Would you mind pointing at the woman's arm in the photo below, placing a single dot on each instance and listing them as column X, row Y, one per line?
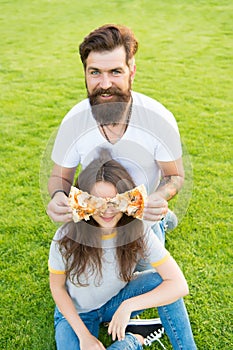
column 68, row 310
column 173, row 287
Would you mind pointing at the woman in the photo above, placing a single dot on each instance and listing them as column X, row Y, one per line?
column 92, row 277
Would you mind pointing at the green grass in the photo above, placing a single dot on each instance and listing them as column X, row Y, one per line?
column 184, row 61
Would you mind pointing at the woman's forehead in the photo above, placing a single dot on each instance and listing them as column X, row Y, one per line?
column 104, row 190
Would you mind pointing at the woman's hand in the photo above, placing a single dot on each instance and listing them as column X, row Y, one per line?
column 89, row 342
column 119, row 322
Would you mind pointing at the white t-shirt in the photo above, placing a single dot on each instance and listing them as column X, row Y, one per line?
column 98, row 292
column 152, row 135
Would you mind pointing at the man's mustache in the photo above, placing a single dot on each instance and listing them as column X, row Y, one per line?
column 109, row 91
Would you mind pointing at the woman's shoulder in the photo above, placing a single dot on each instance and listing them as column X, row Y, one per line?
column 60, row 233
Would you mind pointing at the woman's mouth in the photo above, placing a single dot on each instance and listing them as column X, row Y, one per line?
column 107, row 219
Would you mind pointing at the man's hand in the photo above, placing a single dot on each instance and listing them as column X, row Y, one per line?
column 60, row 179
column 156, row 207
column 171, row 182
column 58, row 208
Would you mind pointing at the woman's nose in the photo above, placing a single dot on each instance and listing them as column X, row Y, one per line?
column 111, row 209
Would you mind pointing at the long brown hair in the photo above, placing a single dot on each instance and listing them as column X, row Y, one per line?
column 81, row 245
column 107, row 38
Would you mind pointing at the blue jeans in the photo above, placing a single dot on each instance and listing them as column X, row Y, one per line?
column 173, row 316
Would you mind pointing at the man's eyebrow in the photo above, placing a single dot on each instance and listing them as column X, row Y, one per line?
column 109, row 70
column 92, row 68
column 116, row 68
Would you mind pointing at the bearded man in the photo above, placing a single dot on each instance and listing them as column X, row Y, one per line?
column 140, row 132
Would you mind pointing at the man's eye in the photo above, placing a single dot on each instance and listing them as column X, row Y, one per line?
column 116, row 72
column 95, row 72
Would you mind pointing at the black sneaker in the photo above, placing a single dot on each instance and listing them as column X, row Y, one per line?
column 170, row 221
column 151, row 329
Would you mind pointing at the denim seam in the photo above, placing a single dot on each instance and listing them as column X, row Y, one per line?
column 166, row 312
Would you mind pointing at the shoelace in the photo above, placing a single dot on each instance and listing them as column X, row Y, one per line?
column 154, row 337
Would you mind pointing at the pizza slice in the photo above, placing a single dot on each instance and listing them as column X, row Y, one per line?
column 84, row 204
column 131, row 202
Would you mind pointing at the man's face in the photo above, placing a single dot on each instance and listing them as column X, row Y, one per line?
column 108, row 80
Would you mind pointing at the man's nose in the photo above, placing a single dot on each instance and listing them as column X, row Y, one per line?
column 105, row 82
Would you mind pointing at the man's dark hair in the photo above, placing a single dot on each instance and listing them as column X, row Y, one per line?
column 107, row 38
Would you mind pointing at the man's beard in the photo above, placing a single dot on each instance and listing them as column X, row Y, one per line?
column 106, row 113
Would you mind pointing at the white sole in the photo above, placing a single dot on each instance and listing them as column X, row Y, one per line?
column 144, row 322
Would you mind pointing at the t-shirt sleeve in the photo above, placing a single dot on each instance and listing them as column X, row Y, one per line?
column 157, row 254
column 167, row 133
column 64, row 151
column 157, row 123
column 77, row 123
column 55, row 263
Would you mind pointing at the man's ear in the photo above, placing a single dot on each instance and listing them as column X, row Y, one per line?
column 132, row 68
column 133, row 71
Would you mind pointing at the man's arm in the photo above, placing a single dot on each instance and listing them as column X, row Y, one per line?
column 172, row 180
column 60, row 181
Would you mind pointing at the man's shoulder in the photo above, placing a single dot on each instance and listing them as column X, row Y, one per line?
column 148, row 102
column 152, row 109
column 80, row 107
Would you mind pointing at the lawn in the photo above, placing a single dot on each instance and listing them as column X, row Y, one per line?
column 185, row 62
